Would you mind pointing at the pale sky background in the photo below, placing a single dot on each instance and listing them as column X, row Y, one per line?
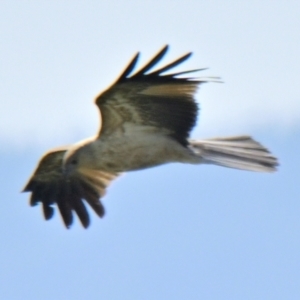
column 175, row 231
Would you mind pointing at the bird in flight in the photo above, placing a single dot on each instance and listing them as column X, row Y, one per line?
column 146, row 120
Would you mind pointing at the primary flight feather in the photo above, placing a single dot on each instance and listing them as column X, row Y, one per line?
column 146, row 119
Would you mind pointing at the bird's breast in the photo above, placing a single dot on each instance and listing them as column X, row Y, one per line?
column 140, row 149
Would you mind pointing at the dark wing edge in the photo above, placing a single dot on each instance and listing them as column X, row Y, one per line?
column 157, row 75
column 49, row 186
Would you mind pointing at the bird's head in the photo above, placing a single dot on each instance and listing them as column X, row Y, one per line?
column 78, row 157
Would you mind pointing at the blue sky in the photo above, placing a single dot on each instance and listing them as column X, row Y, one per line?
column 171, row 232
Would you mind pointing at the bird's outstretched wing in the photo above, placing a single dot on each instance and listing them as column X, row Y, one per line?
column 149, row 98
column 49, row 186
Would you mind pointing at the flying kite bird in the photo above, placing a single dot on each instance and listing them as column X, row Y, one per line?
column 146, row 120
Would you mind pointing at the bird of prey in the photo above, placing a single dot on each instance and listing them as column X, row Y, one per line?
column 146, row 120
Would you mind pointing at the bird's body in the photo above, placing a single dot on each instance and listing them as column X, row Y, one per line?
column 123, row 153
column 128, row 149
column 146, row 119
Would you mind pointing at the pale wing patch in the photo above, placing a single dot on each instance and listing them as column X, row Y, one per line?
column 118, row 111
column 127, row 109
column 187, row 89
column 99, row 180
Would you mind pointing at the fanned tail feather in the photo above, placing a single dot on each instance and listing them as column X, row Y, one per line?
column 238, row 152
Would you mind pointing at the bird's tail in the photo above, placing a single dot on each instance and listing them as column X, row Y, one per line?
column 238, row 152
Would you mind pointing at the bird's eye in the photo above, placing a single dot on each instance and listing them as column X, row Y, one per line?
column 74, row 162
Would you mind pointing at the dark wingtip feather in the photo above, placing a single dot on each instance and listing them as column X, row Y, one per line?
column 152, row 62
column 96, row 205
column 28, row 187
column 65, row 212
column 129, row 68
column 91, row 197
column 145, row 72
column 182, row 73
column 81, row 212
column 99, row 209
column 48, row 211
column 171, row 65
column 34, row 200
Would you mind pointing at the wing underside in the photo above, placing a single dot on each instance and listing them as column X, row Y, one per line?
column 49, row 186
column 152, row 98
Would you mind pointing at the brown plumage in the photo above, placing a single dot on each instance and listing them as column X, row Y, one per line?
column 146, row 119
